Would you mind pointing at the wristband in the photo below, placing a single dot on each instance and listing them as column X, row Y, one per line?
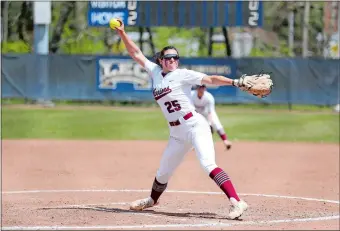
column 235, row 82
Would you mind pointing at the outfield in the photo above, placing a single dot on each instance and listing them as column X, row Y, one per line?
column 147, row 123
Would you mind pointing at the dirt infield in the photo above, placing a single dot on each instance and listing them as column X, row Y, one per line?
column 88, row 185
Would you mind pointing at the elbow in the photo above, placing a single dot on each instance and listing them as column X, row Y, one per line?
column 218, row 80
column 213, row 79
column 135, row 54
column 207, row 79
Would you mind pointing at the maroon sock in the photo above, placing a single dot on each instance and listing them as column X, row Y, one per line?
column 157, row 190
column 223, row 181
column 222, row 134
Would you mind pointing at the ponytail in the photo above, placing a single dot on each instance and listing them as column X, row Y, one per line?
column 156, row 58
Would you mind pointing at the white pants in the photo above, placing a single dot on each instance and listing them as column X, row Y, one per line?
column 194, row 132
column 214, row 120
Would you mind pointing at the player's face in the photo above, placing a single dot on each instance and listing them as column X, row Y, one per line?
column 200, row 91
column 170, row 60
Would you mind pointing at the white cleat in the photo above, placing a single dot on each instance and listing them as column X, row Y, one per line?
column 237, row 208
column 142, row 204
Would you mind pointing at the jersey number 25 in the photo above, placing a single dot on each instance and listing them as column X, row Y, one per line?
column 172, row 106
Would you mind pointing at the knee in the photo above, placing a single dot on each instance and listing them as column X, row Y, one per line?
column 217, row 126
column 220, row 130
column 208, row 165
column 162, row 178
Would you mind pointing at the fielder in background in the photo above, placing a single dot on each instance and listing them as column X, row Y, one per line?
column 205, row 105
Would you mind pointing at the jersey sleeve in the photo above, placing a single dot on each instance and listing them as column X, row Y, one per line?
column 192, row 93
column 193, row 77
column 150, row 67
column 211, row 104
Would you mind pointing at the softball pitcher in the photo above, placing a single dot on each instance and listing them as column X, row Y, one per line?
column 205, row 105
column 172, row 91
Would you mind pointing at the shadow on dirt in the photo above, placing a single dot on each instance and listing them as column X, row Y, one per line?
column 204, row 215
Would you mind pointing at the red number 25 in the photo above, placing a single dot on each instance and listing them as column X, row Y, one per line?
column 172, row 106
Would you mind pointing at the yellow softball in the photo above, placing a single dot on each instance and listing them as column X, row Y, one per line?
column 114, row 22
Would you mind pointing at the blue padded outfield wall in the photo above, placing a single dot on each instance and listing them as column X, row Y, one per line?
column 74, row 77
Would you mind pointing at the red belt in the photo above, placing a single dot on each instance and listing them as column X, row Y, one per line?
column 186, row 117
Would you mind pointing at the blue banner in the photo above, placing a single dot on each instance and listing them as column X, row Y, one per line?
column 119, row 78
column 124, row 75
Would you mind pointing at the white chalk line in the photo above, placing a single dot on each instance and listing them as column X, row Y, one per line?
column 210, row 224
column 168, row 191
column 216, row 224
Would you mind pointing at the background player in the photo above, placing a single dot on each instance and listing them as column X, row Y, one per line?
column 205, row 105
column 172, row 91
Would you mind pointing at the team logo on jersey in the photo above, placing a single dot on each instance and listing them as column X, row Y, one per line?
column 111, row 71
column 157, row 94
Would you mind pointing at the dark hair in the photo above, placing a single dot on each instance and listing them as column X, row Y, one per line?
column 199, row 86
column 156, row 58
column 168, row 48
column 160, row 54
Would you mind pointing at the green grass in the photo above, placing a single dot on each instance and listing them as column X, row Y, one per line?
column 110, row 103
column 149, row 124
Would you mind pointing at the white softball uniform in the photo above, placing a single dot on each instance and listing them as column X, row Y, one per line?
column 206, row 106
column 187, row 127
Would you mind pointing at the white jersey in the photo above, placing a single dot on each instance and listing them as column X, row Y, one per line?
column 173, row 91
column 204, row 105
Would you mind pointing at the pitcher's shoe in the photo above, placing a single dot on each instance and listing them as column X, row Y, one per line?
column 237, row 208
column 142, row 204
